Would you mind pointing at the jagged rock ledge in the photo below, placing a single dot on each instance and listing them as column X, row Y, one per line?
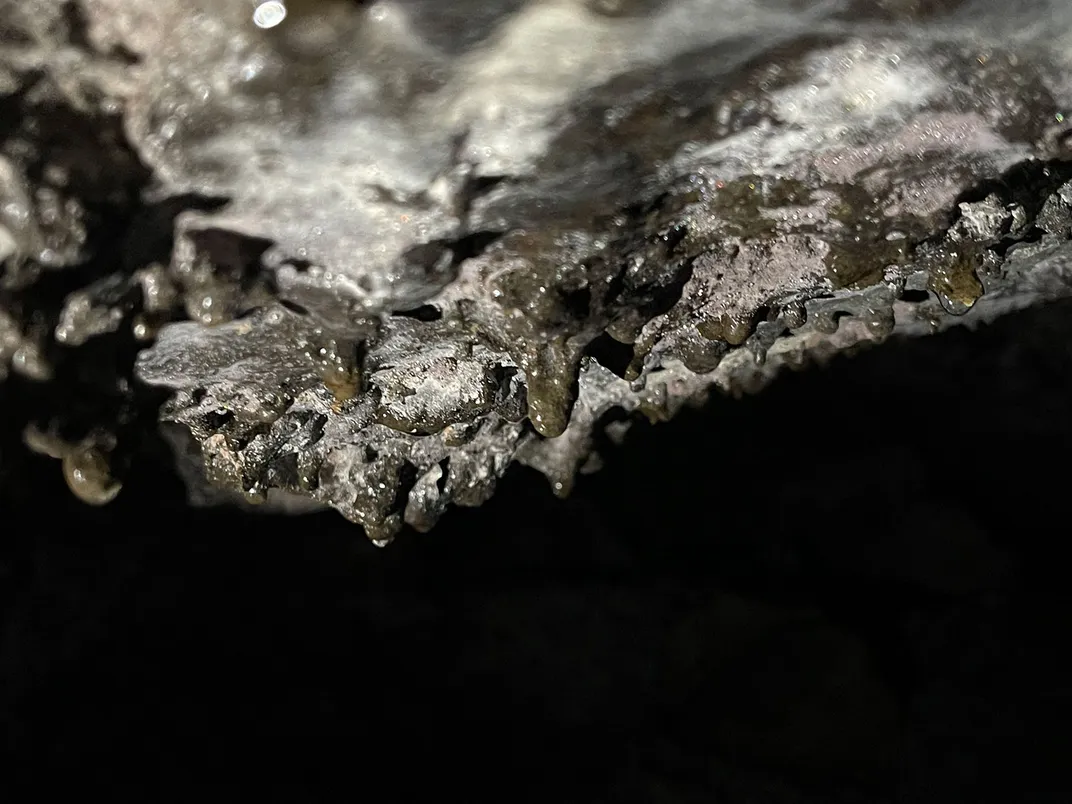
column 384, row 250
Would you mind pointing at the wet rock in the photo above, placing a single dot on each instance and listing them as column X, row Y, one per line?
column 381, row 251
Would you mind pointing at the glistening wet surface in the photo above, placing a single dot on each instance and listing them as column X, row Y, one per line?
column 852, row 587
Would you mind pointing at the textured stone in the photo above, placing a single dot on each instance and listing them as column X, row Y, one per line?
column 415, row 242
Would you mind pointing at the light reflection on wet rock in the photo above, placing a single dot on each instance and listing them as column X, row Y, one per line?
column 378, row 251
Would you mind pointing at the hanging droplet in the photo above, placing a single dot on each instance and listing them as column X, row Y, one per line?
column 89, row 476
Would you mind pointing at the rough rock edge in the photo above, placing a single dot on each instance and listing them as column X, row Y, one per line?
column 381, row 477
column 378, row 474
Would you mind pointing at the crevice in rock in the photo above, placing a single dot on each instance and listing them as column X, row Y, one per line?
column 407, row 479
column 426, row 313
column 610, row 353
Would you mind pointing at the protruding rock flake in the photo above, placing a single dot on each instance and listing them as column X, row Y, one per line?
column 371, row 254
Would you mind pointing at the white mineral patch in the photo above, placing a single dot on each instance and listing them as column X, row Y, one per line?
column 328, row 137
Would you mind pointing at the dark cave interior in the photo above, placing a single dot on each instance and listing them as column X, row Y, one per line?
column 848, row 588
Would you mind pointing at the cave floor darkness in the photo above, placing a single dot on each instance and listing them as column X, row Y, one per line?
column 851, row 587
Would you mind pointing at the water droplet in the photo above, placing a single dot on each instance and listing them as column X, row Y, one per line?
column 269, row 14
column 89, row 477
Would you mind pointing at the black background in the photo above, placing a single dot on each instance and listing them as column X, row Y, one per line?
column 851, row 587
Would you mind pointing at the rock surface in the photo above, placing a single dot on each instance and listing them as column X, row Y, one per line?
column 382, row 251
